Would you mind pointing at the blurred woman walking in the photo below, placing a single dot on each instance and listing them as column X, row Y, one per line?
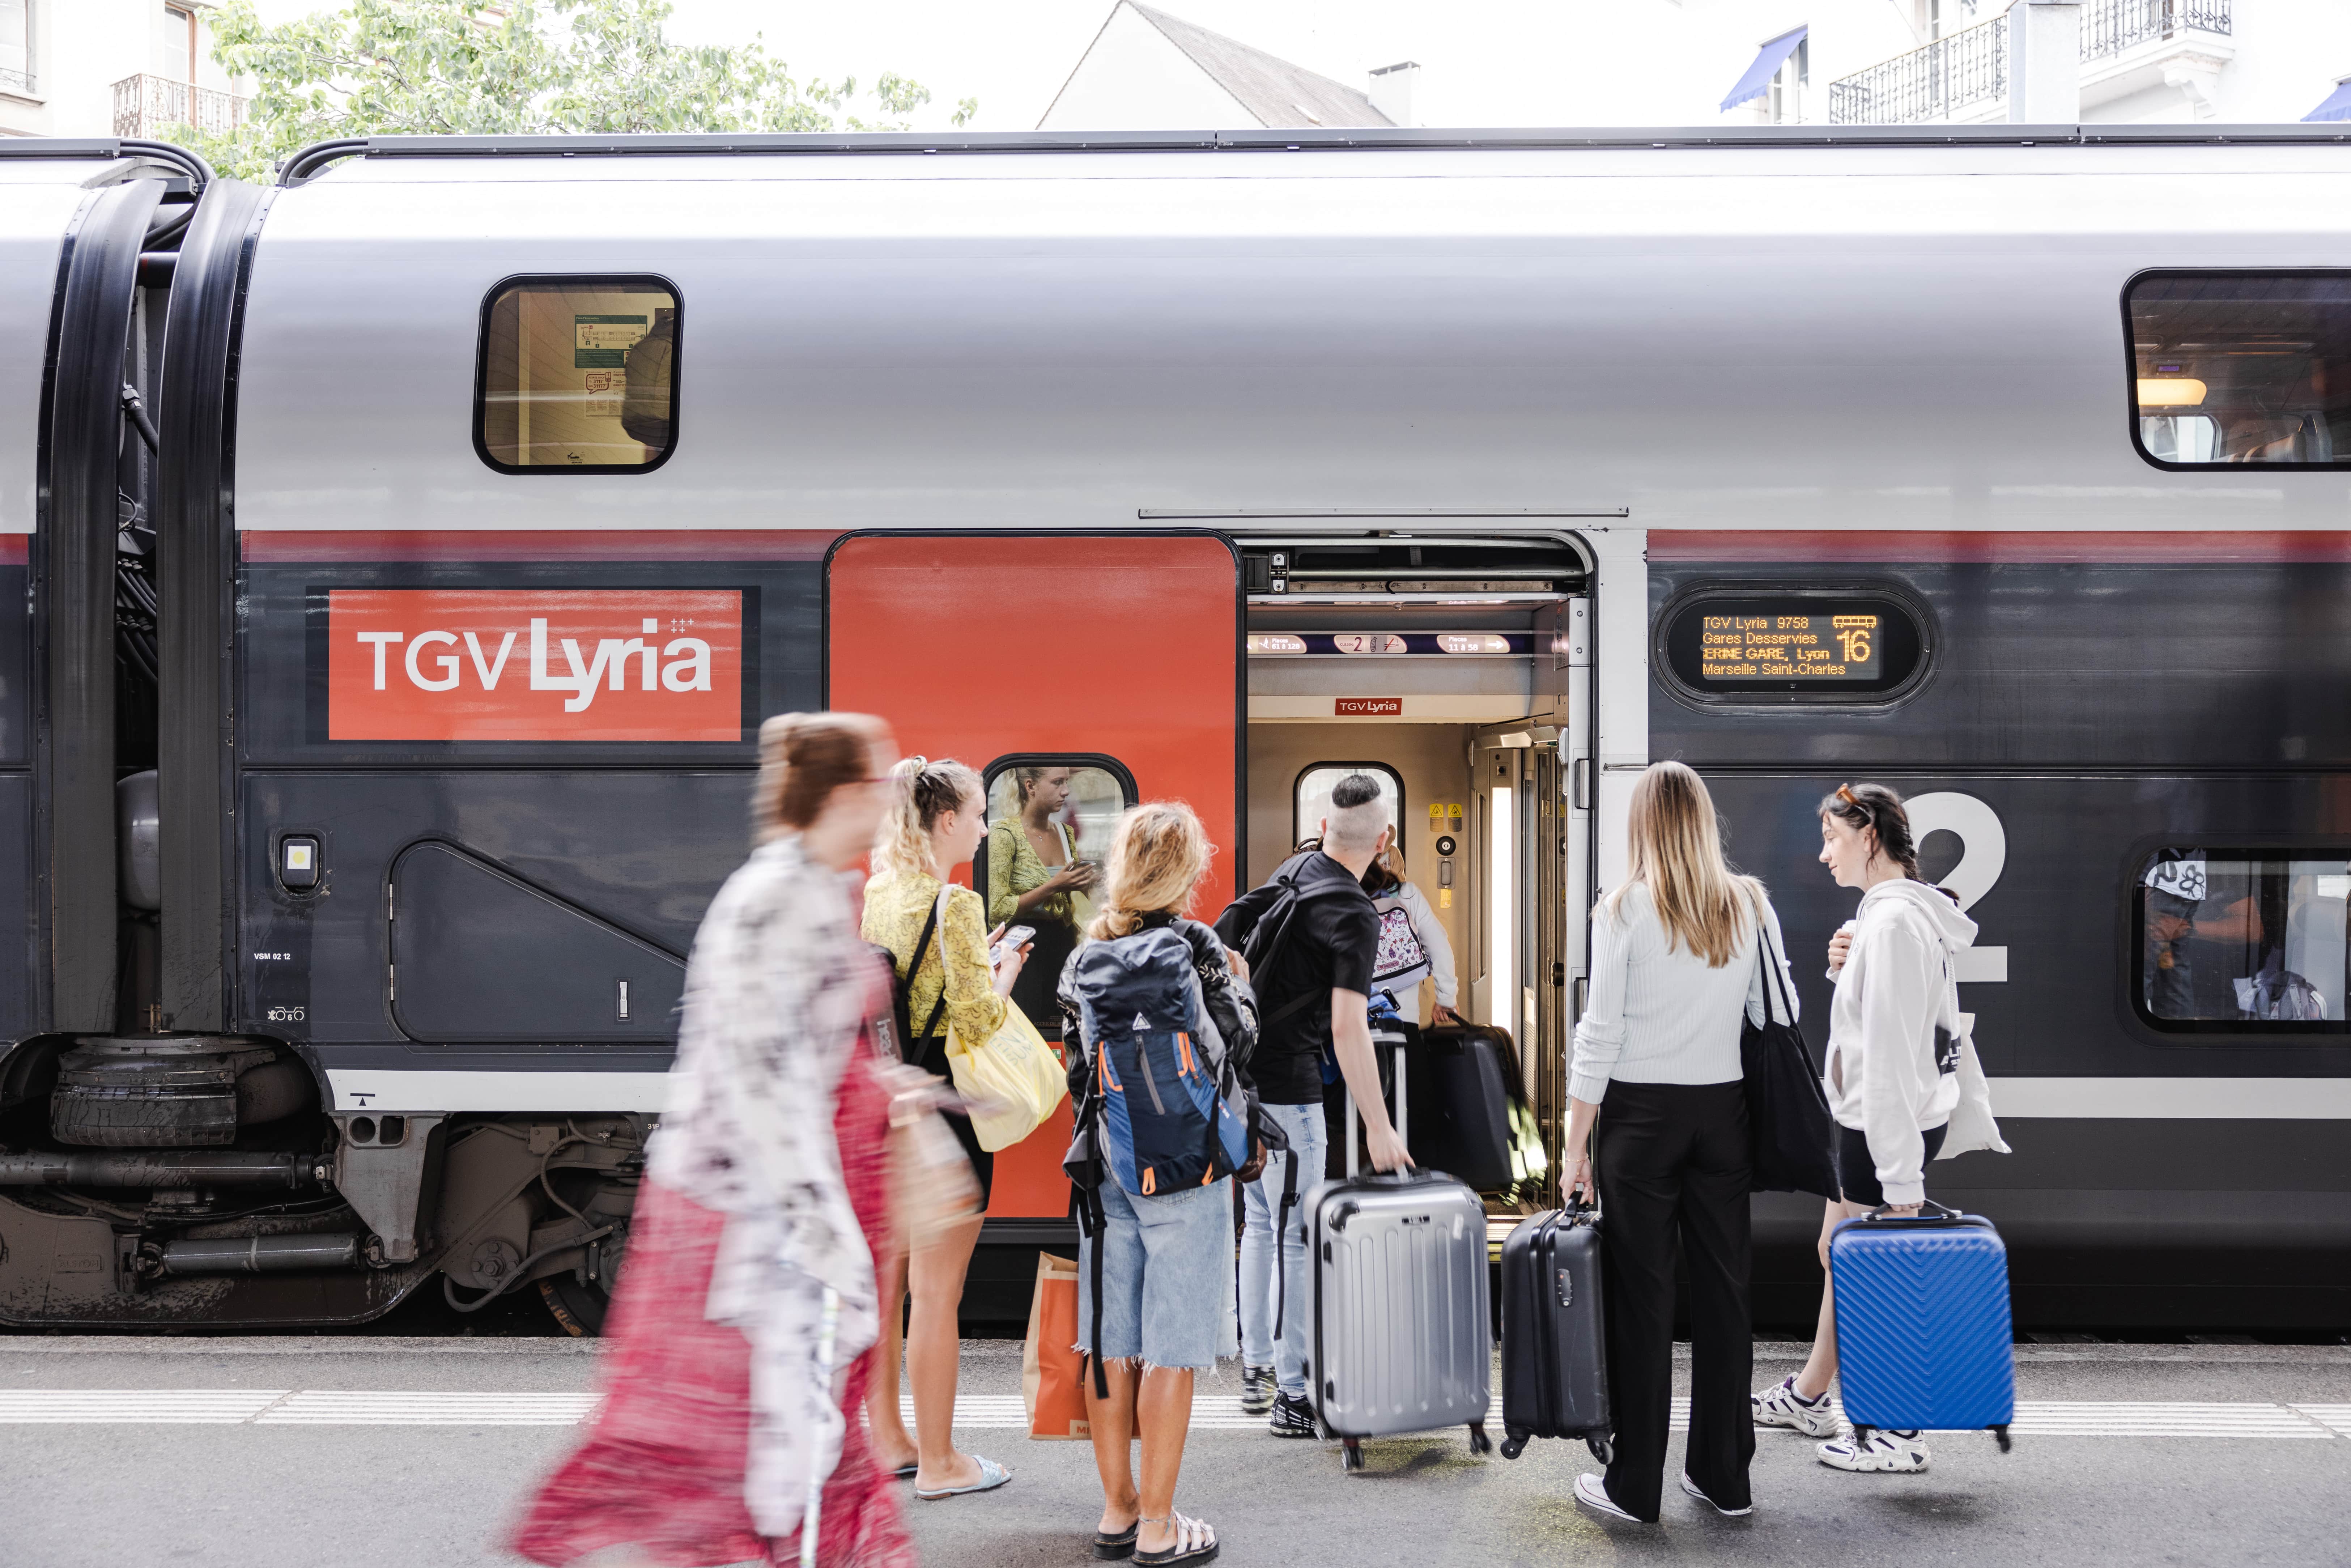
column 764, row 1203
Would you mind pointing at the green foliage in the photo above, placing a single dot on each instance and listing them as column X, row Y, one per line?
column 384, row 68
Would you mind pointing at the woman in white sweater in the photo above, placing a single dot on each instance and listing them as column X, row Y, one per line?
column 1902, row 1077
column 1675, row 968
column 1397, row 970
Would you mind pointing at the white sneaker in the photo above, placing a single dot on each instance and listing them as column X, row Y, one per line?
column 1690, row 1487
column 1592, row 1493
column 1900, row 1451
column 1781, row 1406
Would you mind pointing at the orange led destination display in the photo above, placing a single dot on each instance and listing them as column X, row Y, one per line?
column 1790, row 648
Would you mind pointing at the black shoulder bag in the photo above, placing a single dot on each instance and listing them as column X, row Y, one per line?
column 1786, row 1109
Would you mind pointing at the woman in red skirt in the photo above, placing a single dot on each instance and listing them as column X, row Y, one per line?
column 765, row 1192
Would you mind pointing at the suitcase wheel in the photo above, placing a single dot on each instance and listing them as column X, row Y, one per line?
column 1603, row 1448
column 2001, row 1433
column 1479, row 1442
column 1513, row 1446
column 1351, row 1455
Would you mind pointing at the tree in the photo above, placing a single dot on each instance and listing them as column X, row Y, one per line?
column 383, row 67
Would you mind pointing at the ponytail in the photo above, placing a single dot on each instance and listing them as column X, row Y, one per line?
column 924, row 792
column 1878, row 809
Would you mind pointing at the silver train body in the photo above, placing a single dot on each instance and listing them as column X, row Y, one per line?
column 1674, row 369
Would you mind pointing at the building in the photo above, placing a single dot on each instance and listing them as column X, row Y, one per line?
column 1147, row 71
column 112, row 67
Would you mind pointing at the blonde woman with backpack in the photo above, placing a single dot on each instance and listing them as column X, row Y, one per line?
column 1151, row 1001
column 1677, row 962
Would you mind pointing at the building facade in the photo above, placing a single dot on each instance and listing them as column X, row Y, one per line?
column 112, row 67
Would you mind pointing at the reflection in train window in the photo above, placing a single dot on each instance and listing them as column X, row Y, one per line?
column 578, row 374
column 1050, row 821
column 1310, row 799
column 2232, row 939
column 2236, row 368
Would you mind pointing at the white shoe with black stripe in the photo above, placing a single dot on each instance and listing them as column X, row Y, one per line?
column 1781, row 1406
column 1892, row 1452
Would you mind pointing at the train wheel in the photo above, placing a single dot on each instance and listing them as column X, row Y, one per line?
column 579, row 1309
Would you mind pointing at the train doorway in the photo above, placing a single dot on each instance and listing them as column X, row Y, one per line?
column 1456, row 670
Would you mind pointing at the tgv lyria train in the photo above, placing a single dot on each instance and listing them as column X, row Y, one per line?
column 411, row 548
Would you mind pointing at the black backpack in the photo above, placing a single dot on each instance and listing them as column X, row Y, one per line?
column 1267, row 941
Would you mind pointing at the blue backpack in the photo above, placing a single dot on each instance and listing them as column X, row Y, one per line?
column 1163, row 1110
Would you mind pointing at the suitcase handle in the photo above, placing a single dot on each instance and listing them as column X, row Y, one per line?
column 1941, row 1216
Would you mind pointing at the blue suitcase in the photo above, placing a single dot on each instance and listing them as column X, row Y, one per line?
column 1922, row 1324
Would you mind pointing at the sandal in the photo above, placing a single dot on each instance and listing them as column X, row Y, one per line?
column 991, row 1476
column 1111, row 1548
column 1194, row 1542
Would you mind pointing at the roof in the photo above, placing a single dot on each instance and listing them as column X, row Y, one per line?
column 1276, row 91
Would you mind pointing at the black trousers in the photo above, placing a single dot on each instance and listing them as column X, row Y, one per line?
column 1672, row 1162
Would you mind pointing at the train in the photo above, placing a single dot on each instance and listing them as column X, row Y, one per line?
column 411, row 548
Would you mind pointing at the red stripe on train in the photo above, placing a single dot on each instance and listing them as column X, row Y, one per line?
column 1829, row 546
column 532, row 544
column 13, row 549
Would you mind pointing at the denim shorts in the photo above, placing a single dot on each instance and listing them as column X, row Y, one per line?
column 1167, row 1276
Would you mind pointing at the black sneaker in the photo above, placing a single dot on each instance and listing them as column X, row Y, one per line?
column 1294, row 1417
column 1257, row 1389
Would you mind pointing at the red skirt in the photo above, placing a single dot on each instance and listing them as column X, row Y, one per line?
column 662, row 1467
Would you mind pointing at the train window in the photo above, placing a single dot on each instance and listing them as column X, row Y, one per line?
column 1774, row 646
column 2241, row 368
column 2236, row 939
column 1049, row 825
column 578, row 374
column 1311, row 797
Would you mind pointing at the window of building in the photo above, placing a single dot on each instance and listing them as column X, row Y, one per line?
column 17, row 47
column 2232, row 940
column 578, row 374
column 1049, row 821
column 1310, row 799
column 1788, row 84
column 2242, row 367
column 176, row 48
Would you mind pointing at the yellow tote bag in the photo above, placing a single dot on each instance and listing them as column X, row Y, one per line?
column 1012, row 1080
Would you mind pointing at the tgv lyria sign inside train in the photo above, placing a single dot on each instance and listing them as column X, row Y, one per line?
column 445, row 665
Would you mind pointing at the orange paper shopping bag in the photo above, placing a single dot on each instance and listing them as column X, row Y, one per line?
column 1052, row 1374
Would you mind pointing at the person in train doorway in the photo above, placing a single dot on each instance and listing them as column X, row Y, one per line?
column 1902, row 1079
column 1677, row 969
column 1156, row 1275
column 1413, row 946
column 1310, row 937
column 1035, row 878
column 942, row 956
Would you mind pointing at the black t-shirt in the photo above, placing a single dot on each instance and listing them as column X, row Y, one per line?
column 1334, row 940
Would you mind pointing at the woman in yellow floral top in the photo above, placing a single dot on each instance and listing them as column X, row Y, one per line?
column 935, row 823
column 1035, row 878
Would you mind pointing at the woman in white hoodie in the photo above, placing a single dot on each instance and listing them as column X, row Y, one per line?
column 1902, row 1077
column 1413, row 947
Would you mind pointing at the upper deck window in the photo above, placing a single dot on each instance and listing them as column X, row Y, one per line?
column 2241, row 368
column 578, row 373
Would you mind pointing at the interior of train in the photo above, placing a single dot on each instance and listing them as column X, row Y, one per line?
column 1452, row 671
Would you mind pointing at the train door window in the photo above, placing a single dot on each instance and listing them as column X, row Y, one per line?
column 1310, row 799
column 1050, row 821
column 2235, row 940
column 578, row 374
column 2241, row 368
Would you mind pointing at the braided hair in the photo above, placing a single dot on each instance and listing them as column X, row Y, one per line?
column 1876, row 809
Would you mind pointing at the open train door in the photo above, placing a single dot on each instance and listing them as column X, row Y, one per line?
column 1115, row 656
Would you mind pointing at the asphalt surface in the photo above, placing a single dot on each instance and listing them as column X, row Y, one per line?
column 269, row 1452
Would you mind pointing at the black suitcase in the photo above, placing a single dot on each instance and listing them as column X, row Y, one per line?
column 1460, row 1097
column 1554, row 1333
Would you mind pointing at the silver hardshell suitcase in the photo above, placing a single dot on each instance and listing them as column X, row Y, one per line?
column 1403, row 1333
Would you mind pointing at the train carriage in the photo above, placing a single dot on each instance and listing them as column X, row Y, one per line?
column 500, row 489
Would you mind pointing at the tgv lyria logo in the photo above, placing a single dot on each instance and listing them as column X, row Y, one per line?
column 567, row 665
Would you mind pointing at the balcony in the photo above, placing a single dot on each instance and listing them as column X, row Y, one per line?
column 1964, row 77
column 148, row 106
column 2128, row 47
